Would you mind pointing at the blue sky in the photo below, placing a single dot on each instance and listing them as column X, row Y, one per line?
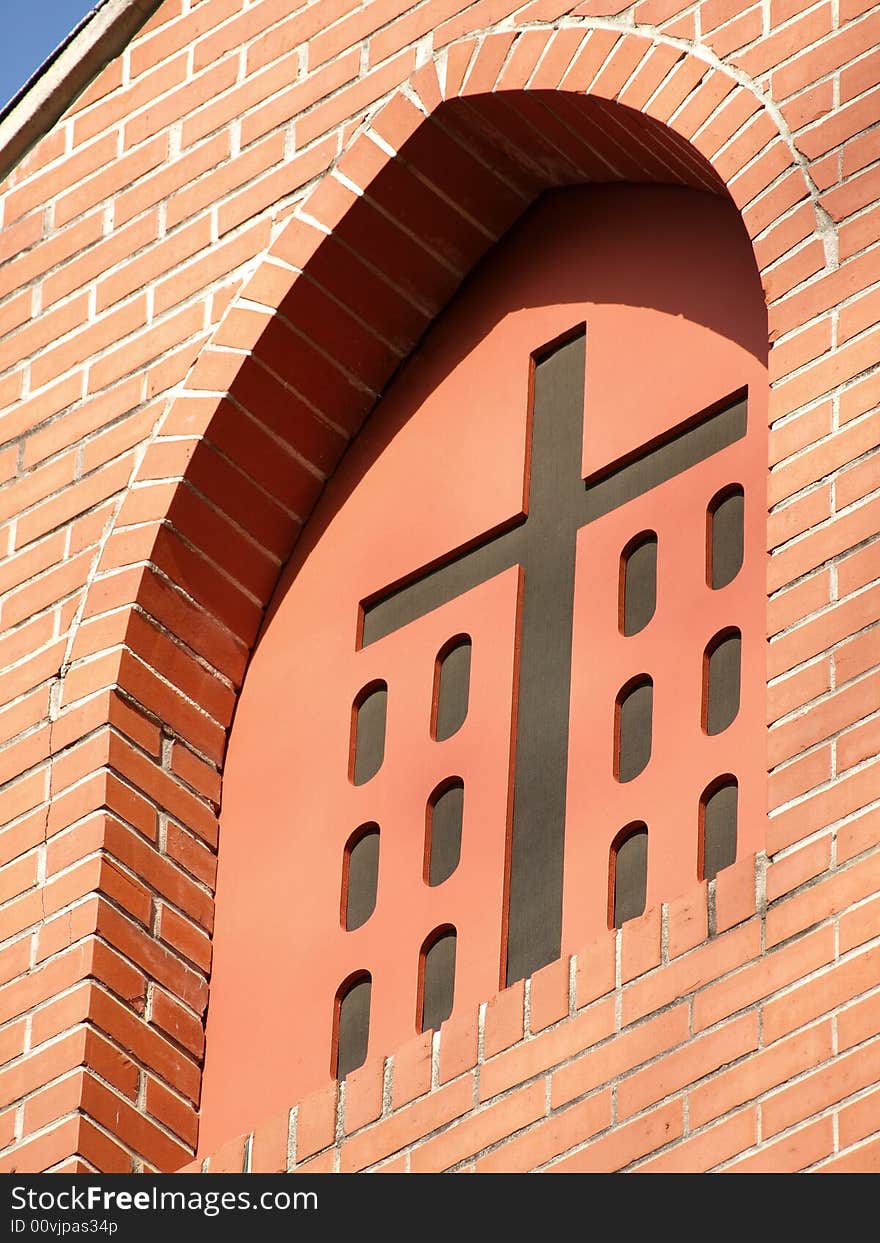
column 32, row 29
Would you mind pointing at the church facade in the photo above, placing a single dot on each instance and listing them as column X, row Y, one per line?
column 440, row 589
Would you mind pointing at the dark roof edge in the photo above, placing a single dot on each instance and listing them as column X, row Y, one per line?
column 47, row 95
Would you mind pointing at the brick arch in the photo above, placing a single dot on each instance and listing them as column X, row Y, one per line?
column 266, row 413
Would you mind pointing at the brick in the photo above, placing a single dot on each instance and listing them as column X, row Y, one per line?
column 169, row 253
column 170, row 177
column 863, row 313
column 788, row 873
column 221, row 259
column 412, row 1069
column 177, row 1021
column 779, row 279
column 687, row 922
column 52, row 1103
column 795, row 690
column 75, row 500
column 683, row 1068
column 859, row 925
column 458, row 1045
column 185, row 937
column 829, row 55
column 363, row 1096
column 857, row 570
column 640, row 945
column 824, row 631
column 564, row 1129
column 29, row 414
column 735, row 894
column 457, row 21
column 560, row 52
column 625, row 1144
column 482, row 1129
column 88, row 417
column 180, row 102
column 824, row 993
column 324, row 1164
column 199, row 776
column 161, row 336
column 40, row 1067
column 38, row 1154
column 787, row 42
column 298, row 98
column 701, row 1153
column 504, row 1019
column 18, row 237
column 114, row 971
column 270, row 1145
column 859, row 743
column 46, row 328
column 595, row 974
column 759, row 1074
column 856, row 482
column 56, row 935
column 118, row 105
column 373, row 86
column 146, row 1043
column 316, row 1122
column 15, row 312
column 152, row 47
column 36, row 191
column 96, row 336
column 839, row 709
column 112, row 1065
column 292, row 31
column 133, row 1128
column 809, row 106
column 118, row 173
column 229, row 1158
column 858, row 1120
column 548, row 995
column 811, row 342
column 824, row 293
column 791, row 1153
column 850, row 793
column 826, row 542
column 835, row 893
column 862, row 1160
column 542, row 1052
column 226, row 177
column 175, row 1113
column 154, row 959
column 626, row 1051
column 407, row 1125
column 618, row 69
column 707, row 962
column 192, row 854
column 842, row 1078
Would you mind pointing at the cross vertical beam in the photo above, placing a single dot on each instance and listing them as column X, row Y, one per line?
column 555, row 512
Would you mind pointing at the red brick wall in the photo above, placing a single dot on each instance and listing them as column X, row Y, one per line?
column 147, row 243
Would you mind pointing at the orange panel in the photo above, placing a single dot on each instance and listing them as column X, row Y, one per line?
column 665, row 282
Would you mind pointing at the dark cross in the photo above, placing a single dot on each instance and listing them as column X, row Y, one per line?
column 543, row 542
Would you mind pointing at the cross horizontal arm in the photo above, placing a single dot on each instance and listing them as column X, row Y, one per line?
column 437, row 586
column 655, row 466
